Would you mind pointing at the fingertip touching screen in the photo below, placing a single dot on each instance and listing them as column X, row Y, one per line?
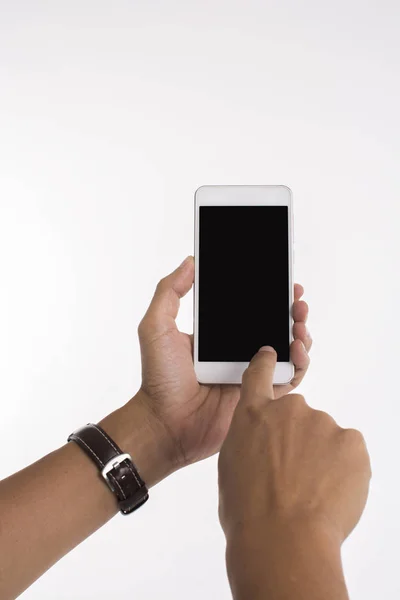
column 243, row 295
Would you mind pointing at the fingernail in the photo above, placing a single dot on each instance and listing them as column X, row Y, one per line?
column 304, row 348
column 266, row 349
column 308, row 334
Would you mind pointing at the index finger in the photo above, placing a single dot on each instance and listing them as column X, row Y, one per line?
column 257, row 381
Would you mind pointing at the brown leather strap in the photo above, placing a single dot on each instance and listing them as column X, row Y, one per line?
column 120, row 474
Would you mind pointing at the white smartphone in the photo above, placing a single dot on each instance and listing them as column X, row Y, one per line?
column 243, row 290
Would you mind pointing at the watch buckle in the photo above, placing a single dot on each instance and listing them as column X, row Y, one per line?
column 113, row 464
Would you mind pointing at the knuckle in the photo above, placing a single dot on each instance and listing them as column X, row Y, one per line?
column 162, row 284
column 323, row 418
column 354, row 440
column 297, row 401
column 354, row 437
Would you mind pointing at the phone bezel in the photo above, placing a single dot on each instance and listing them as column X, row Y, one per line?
column 240, row 195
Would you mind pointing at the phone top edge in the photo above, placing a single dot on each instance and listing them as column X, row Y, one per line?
column 204, row 192
column 252, row 185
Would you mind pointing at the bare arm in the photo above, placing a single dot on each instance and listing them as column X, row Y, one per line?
column 51, row 506
column 289, row 560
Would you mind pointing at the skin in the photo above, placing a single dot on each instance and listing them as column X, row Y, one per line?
column 171, row 422
column 197, row 416
column 293, row 485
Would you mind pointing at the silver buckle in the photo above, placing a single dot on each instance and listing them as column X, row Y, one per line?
column 112, row 464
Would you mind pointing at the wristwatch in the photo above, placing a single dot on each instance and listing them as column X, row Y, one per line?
column 115, row 466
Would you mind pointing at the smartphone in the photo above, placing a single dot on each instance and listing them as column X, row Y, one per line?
column 243, row 291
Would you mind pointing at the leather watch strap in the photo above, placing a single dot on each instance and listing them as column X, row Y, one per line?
column 116, row 468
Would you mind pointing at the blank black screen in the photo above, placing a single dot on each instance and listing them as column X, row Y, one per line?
column 243, row 282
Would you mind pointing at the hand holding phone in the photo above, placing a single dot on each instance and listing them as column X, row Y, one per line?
column 195, row 416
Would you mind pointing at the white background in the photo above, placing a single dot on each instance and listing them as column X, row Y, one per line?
column 111, row 115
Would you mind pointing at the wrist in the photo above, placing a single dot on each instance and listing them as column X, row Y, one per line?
column 278, row 558
column 139, row 433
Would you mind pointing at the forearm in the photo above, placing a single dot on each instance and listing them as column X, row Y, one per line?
column 51, row 506
column 285, row 563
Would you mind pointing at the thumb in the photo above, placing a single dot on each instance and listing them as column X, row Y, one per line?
column 257, row 382
column 164, row 305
